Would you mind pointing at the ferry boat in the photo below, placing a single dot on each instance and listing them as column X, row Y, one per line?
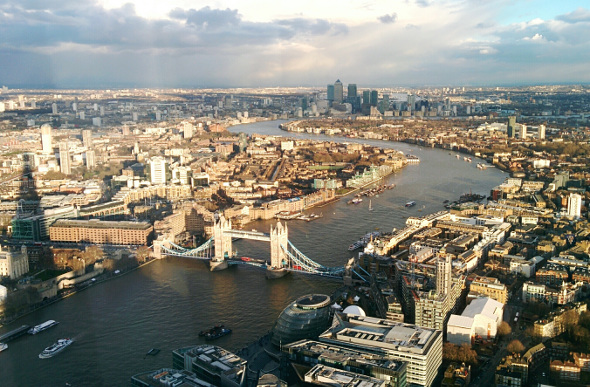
column 410, row 203
column 41, row 327
column 55, row 348
column 214, row 333
column 3, row 346
column 355, row 246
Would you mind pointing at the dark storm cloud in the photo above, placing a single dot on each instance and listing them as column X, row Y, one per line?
column 30, row 26
column 388, row 19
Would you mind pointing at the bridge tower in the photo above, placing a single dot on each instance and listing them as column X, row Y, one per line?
column 157, row 245
column 223, row 243
column 278, row 236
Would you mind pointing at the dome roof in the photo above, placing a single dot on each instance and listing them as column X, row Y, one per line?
column 305, row 318
column 355, row 310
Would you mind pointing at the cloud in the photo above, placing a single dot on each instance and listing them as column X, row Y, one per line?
column 207, row 17
column 81, row 43
column 388, row 19
column 580, row 15
column 423, row 3
column 534, row 37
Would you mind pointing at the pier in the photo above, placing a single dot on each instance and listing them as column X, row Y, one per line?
column 14, row 333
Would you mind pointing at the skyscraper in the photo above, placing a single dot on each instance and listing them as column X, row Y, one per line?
column 90, row 159
column 542, row 132
column 411, row 102
column 158, row 170
column 511, row 127
column 374, row 97
column 522, row 131
column 330, row 93
column 338, row 92
column 352, row 91
column 574, row 206
column 64, row 159
column 187, row 130
column 366, row 97
column 54, row 108
column 87, row 138
column 443, row 274
column 46, row 139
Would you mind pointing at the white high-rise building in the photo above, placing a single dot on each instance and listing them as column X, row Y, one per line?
column 64, row 159
column 46, row 139
column 574, row 206
column 54, row 108
column 87, row 138
column 542, row 129
column 90, row 159
column 158, row 170
column 188, row 129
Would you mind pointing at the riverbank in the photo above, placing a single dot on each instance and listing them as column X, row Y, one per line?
column 70, row 292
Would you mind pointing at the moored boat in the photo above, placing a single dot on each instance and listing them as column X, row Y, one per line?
column 41, row 327
column 55, row 348
column 411, row 203
column 216, row 333
column 3, row 346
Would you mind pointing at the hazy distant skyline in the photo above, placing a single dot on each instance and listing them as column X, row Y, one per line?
column 258, row 43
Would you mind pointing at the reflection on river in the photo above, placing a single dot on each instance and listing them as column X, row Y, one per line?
column 166, row 303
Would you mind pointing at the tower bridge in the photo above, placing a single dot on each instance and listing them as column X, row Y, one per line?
column 284, row 256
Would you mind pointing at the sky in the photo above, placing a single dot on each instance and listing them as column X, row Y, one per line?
column 273, row 43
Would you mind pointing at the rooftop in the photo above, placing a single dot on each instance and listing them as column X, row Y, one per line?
column 170, row 377
column 216, row 360
column 341, row 355
column 95, row 223
column 328, row 376
column 383, row 333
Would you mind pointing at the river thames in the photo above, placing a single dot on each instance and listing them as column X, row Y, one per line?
column 166, row 303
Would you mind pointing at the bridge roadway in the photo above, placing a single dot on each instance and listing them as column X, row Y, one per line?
column 254, row 235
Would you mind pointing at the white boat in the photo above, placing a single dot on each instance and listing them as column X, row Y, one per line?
column 370, row 206
column 41, row 327
column 3, row 346
column 56, row 348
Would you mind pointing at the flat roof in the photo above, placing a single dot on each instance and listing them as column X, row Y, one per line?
column 385, row 333
column 342, row 354
column 95, row 223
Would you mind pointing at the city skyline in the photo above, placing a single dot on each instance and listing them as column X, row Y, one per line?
column 258, row 43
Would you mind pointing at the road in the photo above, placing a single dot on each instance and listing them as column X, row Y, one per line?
column 488, row 369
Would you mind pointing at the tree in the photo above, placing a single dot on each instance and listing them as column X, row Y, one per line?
column 515, row 346
column 461, row 354
column 93, row 254
column 504, row 329
column 143, row 253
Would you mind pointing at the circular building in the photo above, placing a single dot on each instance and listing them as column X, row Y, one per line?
column 304, row 318
column 354, row 310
